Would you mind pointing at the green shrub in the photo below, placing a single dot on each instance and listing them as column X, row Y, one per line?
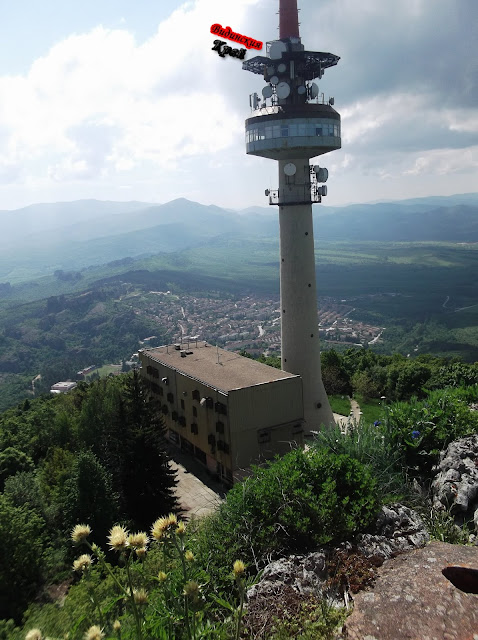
column 419, row 430
column 295, row 503
column 370, row 444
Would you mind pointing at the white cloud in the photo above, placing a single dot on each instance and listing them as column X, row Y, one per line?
column 101, row 110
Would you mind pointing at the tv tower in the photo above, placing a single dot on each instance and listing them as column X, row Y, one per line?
column 292, row 123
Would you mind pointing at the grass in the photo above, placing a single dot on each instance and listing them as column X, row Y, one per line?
column 340, row 404
column 371, row 409
column 105, row 370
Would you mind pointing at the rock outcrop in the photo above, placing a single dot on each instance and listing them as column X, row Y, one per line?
column 397, row 529
column 412, row 597
column 455, row 486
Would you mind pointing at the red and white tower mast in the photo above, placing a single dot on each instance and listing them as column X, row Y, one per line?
column 292, row 123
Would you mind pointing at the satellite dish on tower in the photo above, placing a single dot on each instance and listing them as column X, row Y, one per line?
column 314, row 90
column 267, row 91
column 301, row 90
column 290, row 169
column 281, row 68
column 277, row 49
column 283, row 90
column 274, row 80
column 270, row 70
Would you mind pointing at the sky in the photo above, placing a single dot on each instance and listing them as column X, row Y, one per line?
column 121, row 100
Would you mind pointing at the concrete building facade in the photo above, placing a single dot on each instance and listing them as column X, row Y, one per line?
column 226, row 410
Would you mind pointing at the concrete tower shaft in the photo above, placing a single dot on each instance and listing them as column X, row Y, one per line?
column 288, row 19
column 300, row 347
column 291, row 124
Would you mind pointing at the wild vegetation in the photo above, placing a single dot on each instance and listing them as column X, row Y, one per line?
column 96, row 458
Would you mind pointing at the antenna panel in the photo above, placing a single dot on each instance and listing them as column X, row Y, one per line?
column 283, row 90
column 314, row 90
column 277, row 49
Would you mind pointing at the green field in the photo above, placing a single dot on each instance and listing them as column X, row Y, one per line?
column 104, row 371
column 340, row 404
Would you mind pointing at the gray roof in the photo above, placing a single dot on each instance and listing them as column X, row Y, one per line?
column 233, row 371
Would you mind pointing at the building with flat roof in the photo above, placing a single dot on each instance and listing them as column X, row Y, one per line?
column 62, row 387
column 226, row 410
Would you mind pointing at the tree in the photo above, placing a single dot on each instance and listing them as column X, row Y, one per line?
column 21, row 557
column 334, row 375
column 11, row 462
column 148, row 480
column 88, row 496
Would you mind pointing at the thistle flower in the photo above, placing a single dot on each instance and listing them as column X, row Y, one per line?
column 239, row 568
column 116, row 625
column 140, row 597
column 159, row 527
column 138, row 540
column 172, row 519
column 94, row 633
column 141, row 552
column 34, row 634
column 80, row 533
column 162, row 577
column 118, row 538
column 189, row 556
column 191, row 590
column 181, row 529
column 82, row 563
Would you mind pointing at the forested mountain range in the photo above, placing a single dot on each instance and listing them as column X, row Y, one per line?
column 40, row 239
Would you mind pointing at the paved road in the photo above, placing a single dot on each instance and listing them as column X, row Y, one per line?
column 197, row 492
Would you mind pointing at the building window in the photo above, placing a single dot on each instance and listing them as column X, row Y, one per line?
column 196, row 395
column 182, row 404
column 195, row 412
column 165, row 409
column 219, row 427
column 170, row 398
column 174, row 415
column 226, row 448
column 263, row 436
column 221, row 408
column 182, row 421
column 194, row 428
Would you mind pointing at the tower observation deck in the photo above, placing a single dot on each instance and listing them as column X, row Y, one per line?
column 291, row 122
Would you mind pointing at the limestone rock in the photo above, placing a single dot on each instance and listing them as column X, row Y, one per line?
column 413, row 599
column 455, row 487
column 397, row 529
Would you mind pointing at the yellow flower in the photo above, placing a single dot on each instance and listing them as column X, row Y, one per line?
column 189, row 556
column 118, row 538
column 162, row 577
column 80, row 533
column 138, row 540
column 172, row 519
column 82, row 563
column 159, row 527
column 94, row 633
column 239, row 568
column 140, row 597
column 181, row 529
column 116, row 625
column 34, row 634
column 191, row 589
